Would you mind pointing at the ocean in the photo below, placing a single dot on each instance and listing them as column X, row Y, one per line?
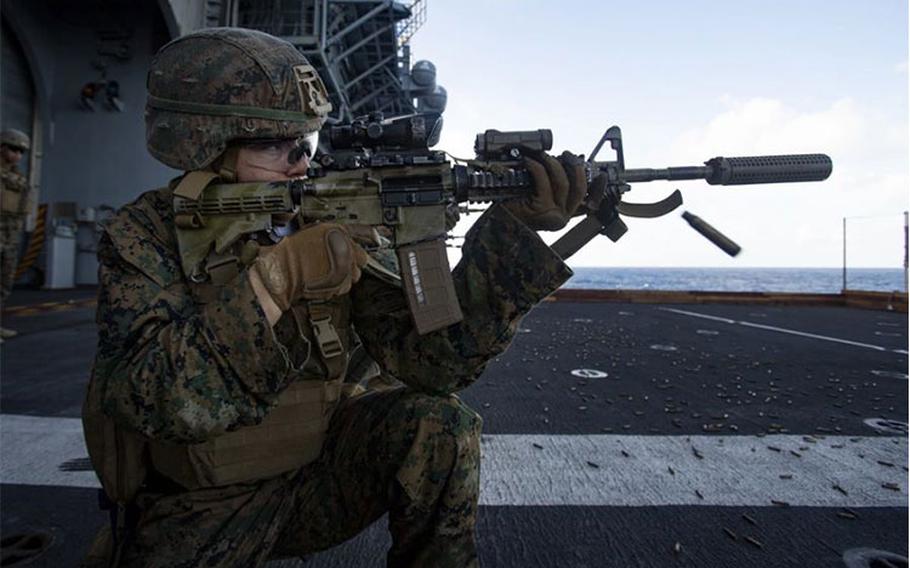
column 818, row 280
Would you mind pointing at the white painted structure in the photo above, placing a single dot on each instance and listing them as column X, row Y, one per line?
column 598, row 470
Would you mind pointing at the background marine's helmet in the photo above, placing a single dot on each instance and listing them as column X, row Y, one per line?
column 216, row 85
column 15, row 139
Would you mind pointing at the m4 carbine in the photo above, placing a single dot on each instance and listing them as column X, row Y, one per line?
column 382, row 173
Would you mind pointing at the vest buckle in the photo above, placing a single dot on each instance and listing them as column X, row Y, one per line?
column 327, row 337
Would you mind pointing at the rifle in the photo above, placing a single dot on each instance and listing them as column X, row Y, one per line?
column 382, row 172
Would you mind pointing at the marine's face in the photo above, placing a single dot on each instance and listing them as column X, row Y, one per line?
column 274, row 160
column 11, row 156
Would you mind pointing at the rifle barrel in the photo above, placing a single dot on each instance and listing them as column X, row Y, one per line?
column 789, row 168
column 650, row 174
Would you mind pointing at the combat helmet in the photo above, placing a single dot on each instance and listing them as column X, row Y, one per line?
column 211, row 87
column 15, row 139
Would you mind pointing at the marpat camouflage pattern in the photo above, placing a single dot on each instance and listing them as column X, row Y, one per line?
column 177, row 370
column 13, row 187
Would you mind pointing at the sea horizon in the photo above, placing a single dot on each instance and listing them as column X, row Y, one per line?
column 738, row 279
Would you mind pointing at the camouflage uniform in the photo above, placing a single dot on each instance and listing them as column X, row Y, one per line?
column 186, row 364
column 177, row 370
column 11, row 225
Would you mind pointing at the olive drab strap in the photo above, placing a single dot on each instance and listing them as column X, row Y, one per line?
column 222, row 269
column 227, row 168
column 323, row 317
column 217, row 270
column 192, row 184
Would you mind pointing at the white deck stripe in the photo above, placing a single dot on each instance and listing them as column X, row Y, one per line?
column 778, row 329
column 697, row 315
column 812, row 335
column 514, row 472
column 735, row 470
column 33, row 447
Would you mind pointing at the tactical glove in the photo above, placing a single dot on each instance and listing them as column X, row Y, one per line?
column 316, row 263
column 559, row 188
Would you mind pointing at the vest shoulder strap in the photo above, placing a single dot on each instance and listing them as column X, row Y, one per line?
column 324, row 316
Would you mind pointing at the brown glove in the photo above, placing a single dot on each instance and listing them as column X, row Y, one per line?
column 559, row 188
column 316, row 263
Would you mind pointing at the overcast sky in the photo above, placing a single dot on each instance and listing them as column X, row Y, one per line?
column 688, row 81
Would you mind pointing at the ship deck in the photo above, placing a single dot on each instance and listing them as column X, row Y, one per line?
column 615, row 434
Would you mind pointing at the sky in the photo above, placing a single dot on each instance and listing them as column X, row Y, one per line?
column 688, row 81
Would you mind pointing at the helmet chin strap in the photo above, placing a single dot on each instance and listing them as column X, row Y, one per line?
column 226, row 164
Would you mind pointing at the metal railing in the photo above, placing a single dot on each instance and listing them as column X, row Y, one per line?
column 359, row 47
column 407, row 28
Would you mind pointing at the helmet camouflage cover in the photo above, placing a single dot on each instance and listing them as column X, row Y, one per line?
column 15, row 139
column 216, row 85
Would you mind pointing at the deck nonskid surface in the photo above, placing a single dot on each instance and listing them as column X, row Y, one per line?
column 612, row 432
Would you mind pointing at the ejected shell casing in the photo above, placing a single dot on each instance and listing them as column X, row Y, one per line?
column 712, row 234
column 753, row 541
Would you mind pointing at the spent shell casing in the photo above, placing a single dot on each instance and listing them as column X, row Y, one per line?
column 730, row 533
column 838, row 488
column 780, row 503
column 706, row 230
column 750, row 520
column 754, row 542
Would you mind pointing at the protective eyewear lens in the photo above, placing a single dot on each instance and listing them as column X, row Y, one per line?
column 286, row 150
column 305, row 146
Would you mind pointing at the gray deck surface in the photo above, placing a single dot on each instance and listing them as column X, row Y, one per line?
column 760, row 392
